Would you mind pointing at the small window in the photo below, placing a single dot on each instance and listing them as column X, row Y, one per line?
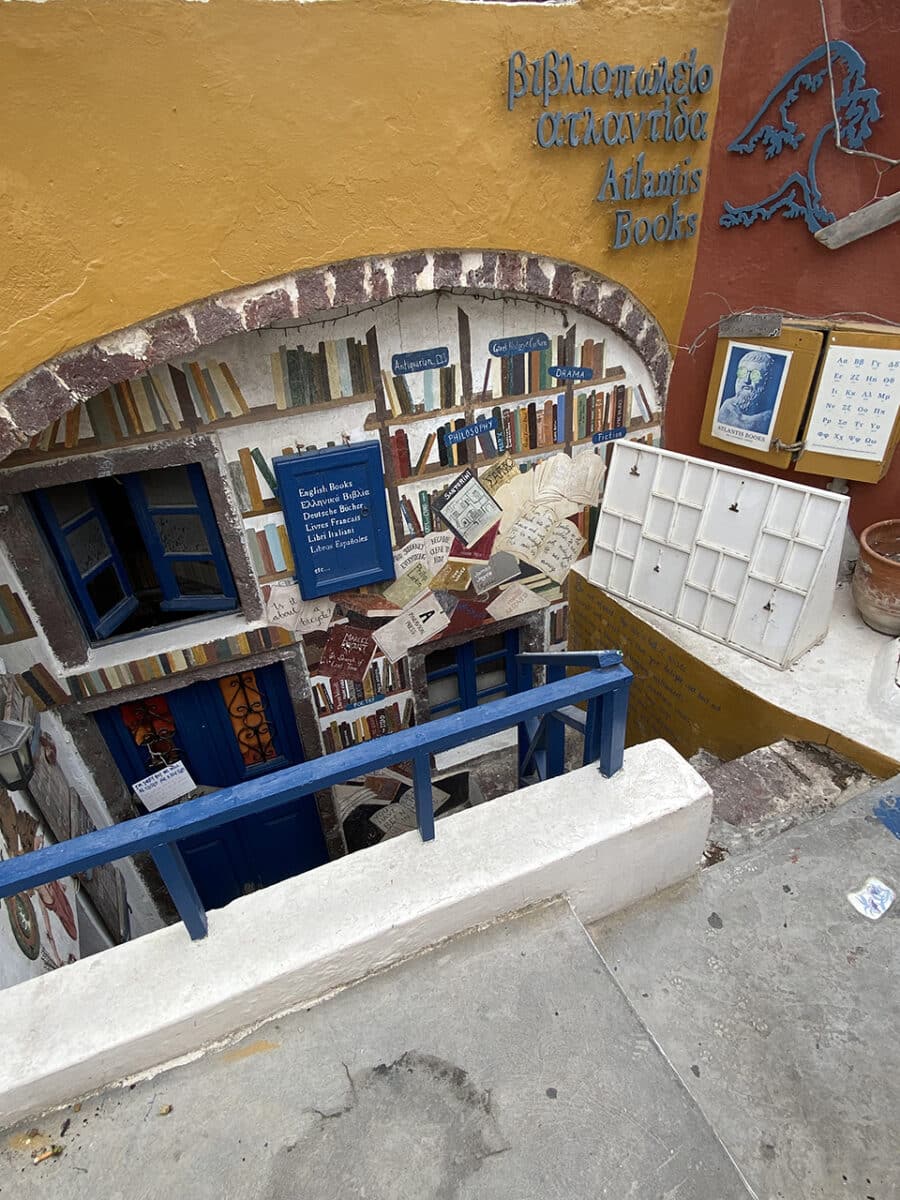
column 137, row 550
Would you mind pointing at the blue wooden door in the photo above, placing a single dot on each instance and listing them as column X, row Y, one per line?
column 225, row 731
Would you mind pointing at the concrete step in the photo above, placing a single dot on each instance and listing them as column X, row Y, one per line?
column 505, row 1064
column 772, row 789
column 776, row 1001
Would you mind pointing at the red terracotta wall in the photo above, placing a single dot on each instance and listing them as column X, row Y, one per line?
column 777, row 263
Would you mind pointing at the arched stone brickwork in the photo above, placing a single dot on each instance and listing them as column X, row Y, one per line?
column 49, row 391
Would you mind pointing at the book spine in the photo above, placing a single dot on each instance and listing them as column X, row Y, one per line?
column 548, row 434
column 161, row 385
column 249, row 472
column 265, row 552
column 343, row 362
column 207, row 408
column 264, row 469
column 403, row 463
column 409, row 515
column 531, row 418
column 275, row 551
column 425, row 510
column 239, row 483
column 499, row 433
column 286, row 552
column 334, row 372
column 243, row 406
column 422, row 461
column 620, row 405
column 183, row 396
column 461, row 448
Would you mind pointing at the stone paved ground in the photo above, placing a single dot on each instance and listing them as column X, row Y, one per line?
column 504, row 1065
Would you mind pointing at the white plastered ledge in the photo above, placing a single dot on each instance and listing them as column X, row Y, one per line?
column 848, row 683
column 603, row 843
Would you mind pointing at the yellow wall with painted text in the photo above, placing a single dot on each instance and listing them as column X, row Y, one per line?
column 156, row 151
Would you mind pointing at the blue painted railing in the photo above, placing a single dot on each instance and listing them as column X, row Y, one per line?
column 541, row 713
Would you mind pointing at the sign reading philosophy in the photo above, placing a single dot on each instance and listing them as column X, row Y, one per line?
column 675, row 117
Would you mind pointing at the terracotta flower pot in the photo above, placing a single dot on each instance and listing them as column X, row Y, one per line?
column 876, row 580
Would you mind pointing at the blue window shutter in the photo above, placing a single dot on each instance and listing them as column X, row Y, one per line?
column 180, row 529
column 87, row 553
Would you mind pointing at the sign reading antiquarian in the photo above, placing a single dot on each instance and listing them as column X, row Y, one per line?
column 336, row 517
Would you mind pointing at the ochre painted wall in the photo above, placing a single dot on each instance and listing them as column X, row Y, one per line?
column 778, row 263
column 158, row 151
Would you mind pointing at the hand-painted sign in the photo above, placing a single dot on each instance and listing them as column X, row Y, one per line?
column 854, row 108
column 609, row 435
column 571, row 372
column 673, row 92
column 507, row 347
column 420, row 360
column 453, row 436
column 336, row 516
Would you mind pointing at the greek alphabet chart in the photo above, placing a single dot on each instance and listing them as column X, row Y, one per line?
column 856, row 403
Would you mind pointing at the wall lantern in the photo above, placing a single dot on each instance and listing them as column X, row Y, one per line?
column 16, row 754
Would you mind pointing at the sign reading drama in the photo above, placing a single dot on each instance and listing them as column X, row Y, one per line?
column 571, row 372
column 609, row 435
column 453, row 436
column 507, row 347
column 420, row 360
column 336, row 515
column 672, row 115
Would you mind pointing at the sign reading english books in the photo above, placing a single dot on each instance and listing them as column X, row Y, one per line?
column 336, row 517
column 672, row 115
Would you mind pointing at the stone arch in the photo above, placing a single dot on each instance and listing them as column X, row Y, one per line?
column 50, row 390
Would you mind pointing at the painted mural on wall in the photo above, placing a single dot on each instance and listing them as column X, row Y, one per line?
column 778, row 128
column 40, row 926
column 489, row 423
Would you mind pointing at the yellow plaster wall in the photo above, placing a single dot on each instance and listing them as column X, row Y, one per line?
column 158, row 151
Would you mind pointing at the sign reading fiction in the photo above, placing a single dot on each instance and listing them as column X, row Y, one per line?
column 336, row 515
column 675, row 116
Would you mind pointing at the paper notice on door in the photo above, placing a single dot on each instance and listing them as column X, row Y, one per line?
column 162, row 787
column 417, row 624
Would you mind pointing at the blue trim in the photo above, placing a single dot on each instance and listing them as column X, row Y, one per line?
column 857, row 111
column 163, row 560
column 101, row 625
column 335, row 511
column 607, row 684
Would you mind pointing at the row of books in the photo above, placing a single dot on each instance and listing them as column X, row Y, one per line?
column 340, row 735
column 383, row 678
column 596, row 411
column 163, row 400
column 270, row 550
column 427, row 519
column 441, row 390
column 531, row 426
column 337, row 370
